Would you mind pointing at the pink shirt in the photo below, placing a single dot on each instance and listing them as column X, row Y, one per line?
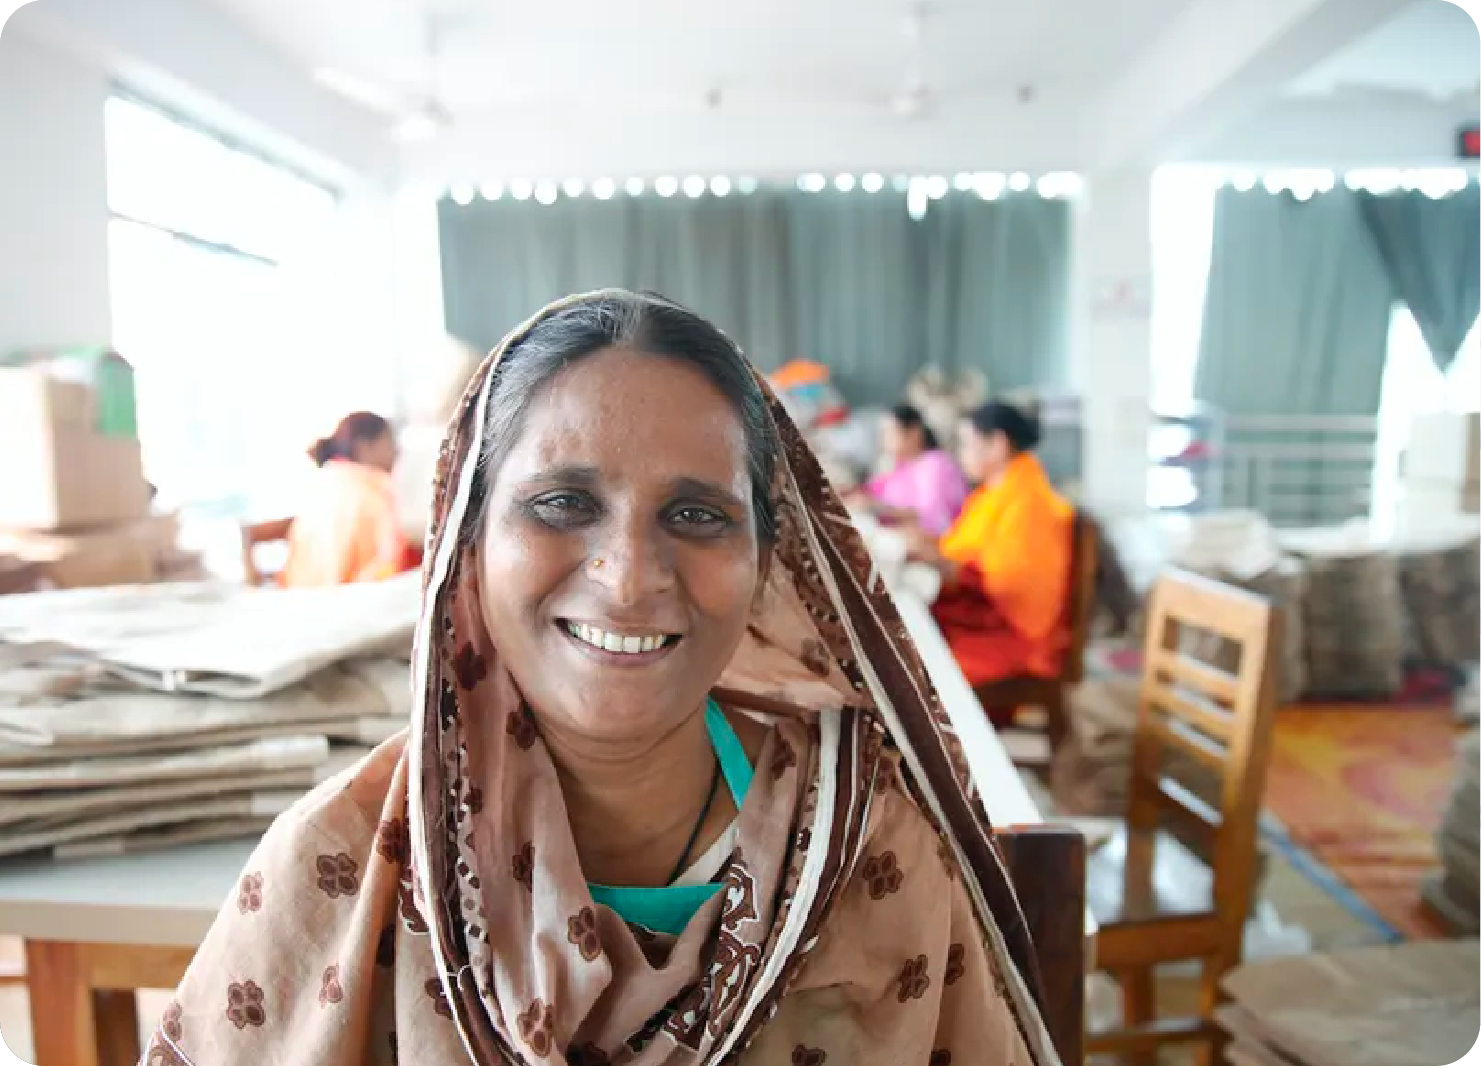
column 929, row 485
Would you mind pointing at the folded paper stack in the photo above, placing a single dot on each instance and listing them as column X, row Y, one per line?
column 146, row 717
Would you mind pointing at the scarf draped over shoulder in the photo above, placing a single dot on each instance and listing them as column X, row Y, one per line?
column 427, row 907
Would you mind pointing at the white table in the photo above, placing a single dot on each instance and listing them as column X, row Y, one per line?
column 97, row 929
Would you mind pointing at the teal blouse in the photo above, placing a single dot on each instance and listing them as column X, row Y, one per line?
column 668, row 909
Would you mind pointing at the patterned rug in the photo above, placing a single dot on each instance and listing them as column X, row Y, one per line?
column 1355, row 795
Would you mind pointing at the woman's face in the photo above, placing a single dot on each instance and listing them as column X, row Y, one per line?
column 983, row 457
column 620, row 557
column 898, row 442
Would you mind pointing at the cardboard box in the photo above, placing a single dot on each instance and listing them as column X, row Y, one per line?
column 134, row 553
column 57, row 472
column 1444, row 447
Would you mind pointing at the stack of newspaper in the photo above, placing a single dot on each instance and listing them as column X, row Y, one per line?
column 142, row 717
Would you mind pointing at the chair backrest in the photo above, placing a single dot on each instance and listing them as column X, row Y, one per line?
column 1080, row 601
column 255, row 536
column 1221, row 720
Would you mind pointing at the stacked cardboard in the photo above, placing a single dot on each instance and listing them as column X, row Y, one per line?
column 1414, row 1003
column 1441, row 474
column 1353, row 613
column 75, row 499
column 143, row 717
column 1440, row 578
column 1454, row 891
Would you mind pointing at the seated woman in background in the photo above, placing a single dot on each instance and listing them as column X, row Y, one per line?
column 348, row 529
column 1005, row 562
column 923, row 485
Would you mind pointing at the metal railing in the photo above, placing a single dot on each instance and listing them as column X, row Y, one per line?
column 1299, row 470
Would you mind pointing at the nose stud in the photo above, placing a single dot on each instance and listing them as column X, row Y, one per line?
column 597, row 563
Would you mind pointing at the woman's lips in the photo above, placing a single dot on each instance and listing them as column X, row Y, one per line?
column 615, row 647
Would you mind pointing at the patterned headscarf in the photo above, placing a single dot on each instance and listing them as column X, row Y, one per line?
column 429, row 906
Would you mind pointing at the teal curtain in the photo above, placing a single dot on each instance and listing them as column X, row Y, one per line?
column 1431, row 249
column 997, row 282
column 849, row 280
column 1296, row 314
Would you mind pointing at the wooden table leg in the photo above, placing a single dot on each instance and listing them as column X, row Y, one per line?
column 63, row 1022
column 73, row 1022
column 117, row 1013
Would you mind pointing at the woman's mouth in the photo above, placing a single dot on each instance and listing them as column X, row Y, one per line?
column 613, row 645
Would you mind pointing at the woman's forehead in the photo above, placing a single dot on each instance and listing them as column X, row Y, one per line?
column 624, row 405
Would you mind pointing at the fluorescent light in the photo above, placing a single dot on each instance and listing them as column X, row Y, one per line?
column 603, row 188
column 417, row 127
column 844, row 183
column 872, row 182
column 462, row 195
column 521, row 188
column 634, row 186
column 546, row 192
column 573, row 187
column 491, row 190
column 694, row 186
column 936, row 187
column 1244, row 180
column 357, row 90
column 962, row 182
column 720, row 185
column 989, row 185
column 666, row 185
column 746, row 185
column 917, row 202
column 1018, row 181
column 812, row 183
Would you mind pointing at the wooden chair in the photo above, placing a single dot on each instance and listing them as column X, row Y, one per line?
column 255, row 536
column 1052, row 693
column 1047, row 866
column 1221, row 721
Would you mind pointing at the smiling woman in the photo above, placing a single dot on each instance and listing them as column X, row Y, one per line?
column 639, row 586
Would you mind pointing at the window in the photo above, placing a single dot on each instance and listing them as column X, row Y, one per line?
column 229, row 299
column 1413, row 386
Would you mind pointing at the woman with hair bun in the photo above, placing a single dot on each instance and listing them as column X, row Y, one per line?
column 1005, row 562
column 348, row 529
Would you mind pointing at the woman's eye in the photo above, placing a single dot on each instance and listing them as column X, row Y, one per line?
column 562, row 508
column 700, row 518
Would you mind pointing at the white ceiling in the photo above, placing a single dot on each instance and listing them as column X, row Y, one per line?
column 1429, row 49
column 646, row 56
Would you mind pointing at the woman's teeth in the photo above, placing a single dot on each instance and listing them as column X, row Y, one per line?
column 625, row 645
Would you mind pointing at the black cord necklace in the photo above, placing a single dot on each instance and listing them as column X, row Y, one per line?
column 704, row 812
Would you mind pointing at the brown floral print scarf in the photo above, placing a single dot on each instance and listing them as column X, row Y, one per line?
column 427, row 907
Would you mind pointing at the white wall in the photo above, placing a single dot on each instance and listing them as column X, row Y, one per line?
column 53, row 196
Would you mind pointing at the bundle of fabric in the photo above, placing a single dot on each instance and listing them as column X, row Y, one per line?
column 943, row 400
column 1440, row 578
column 1454, row 891
column 1089, row 772
column 1353, row 613
column 124, row 730
column 1410, row 1003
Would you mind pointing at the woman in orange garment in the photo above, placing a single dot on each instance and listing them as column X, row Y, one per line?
column 349, row 529
column 1005, row 562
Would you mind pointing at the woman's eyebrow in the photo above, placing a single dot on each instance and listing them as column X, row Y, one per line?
column 705, row 490
column 576, row 475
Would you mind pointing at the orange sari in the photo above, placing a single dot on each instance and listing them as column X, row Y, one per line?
column 1004, row 614
column 349, row 532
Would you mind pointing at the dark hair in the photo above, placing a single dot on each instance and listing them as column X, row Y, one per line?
column 360, row 427
column 909, row 418
column 1020, row 427
column 642, row 322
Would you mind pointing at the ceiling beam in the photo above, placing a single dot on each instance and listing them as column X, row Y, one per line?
column 194, row 56
column 1215, row 62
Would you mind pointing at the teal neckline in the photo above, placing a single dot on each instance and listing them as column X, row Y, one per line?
column 668, row 909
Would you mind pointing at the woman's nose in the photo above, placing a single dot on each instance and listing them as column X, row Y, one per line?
column 631, row 565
